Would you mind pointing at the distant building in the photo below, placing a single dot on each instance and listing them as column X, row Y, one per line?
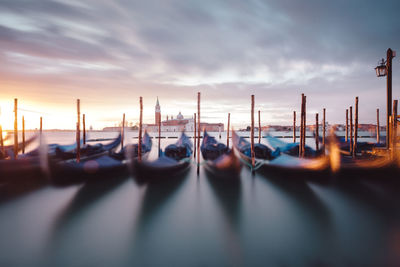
column 179, row 124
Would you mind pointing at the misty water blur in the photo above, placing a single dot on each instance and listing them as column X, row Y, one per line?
column 201, row 221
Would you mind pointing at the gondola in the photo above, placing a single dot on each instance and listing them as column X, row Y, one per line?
column 291, row 149
column 51, row 149
column 64, row 153
column 363, row 166
column 268, row 160
column 20, row 169
column 9, row 149
column 220, row 160
column 105, row 164
column 173, row 161
column 344, row 146
column 27, row 166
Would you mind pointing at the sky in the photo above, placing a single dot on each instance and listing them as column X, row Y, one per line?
column 109, row 53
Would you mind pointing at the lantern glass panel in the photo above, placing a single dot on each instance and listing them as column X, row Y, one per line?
column 380, row 70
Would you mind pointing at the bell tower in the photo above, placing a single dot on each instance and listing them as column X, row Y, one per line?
column 158, row 112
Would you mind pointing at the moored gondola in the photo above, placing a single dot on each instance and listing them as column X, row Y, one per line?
column 105, row 164
column 269, row 160
column 9, row 152
column 65, row 152
column 291, row 149
column 173, row 161
column 219, row 159
column 364, row 165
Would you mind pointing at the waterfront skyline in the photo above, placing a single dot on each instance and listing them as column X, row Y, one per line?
column 110, row 53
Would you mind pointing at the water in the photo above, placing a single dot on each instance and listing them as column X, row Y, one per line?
column 201, row 221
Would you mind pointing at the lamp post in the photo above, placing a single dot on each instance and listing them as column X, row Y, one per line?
column 385, row 69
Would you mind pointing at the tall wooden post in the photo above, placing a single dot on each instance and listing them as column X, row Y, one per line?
column 323, row 128
column 2, row 141
column 259, row 127
column 394, row 122
column 198, row 132
column 252, row 132
column 140, row 130
column 84, row 129
column 23, row 134
column 351, row 130
column 41, row 125
column 15, row 127
column 78, row 130
column 227, row 130
column 389, row 57
column 294, row 126
column 194, row 136
column 301, row 125
column 316, row 132
column 355, row 128
column 304, row 127
column 347, row 125
column 122, row 131
column 378, row 130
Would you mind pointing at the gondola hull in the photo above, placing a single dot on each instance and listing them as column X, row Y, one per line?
column 219, row 160
column 161, row 168
column 226, row 166
column 95, row 168
column 20, row 170
column 173, row 162
column 286, row 165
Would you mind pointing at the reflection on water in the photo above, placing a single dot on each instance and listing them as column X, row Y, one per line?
column 260, row 220
column 228, row 193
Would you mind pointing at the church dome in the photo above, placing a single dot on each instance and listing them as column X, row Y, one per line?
column 180, row 116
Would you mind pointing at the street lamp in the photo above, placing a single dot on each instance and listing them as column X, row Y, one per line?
column 385, row 69
column 381, row 70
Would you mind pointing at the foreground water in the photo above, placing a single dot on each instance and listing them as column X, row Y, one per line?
column 201, row 221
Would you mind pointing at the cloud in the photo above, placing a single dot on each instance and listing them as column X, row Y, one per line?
column 110, row 52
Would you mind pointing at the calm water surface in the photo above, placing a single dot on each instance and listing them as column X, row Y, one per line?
column 201, row 221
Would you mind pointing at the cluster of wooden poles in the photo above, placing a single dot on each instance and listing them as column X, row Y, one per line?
column 392, row 130
column 16, row 148
column 353, row 128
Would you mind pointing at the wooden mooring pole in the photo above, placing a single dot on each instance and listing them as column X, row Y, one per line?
column 347, row 125
column 122, row 131
column 301, row 125
column 259, row 127
column 23, row 134
column 378, row 130
column 15, row 127
column 140, row 129
column 194, row 135
column 316, row 132
column 2, row 141
column 252, row 132
column 41, row 126
column 351, row 130
column 78, row 130
column 323, row 128
column 227, row 130
column 84, row 129
column 303, row 150
column 394, row 123
column 294, row 126
column 198, row 133
column 355, row 128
